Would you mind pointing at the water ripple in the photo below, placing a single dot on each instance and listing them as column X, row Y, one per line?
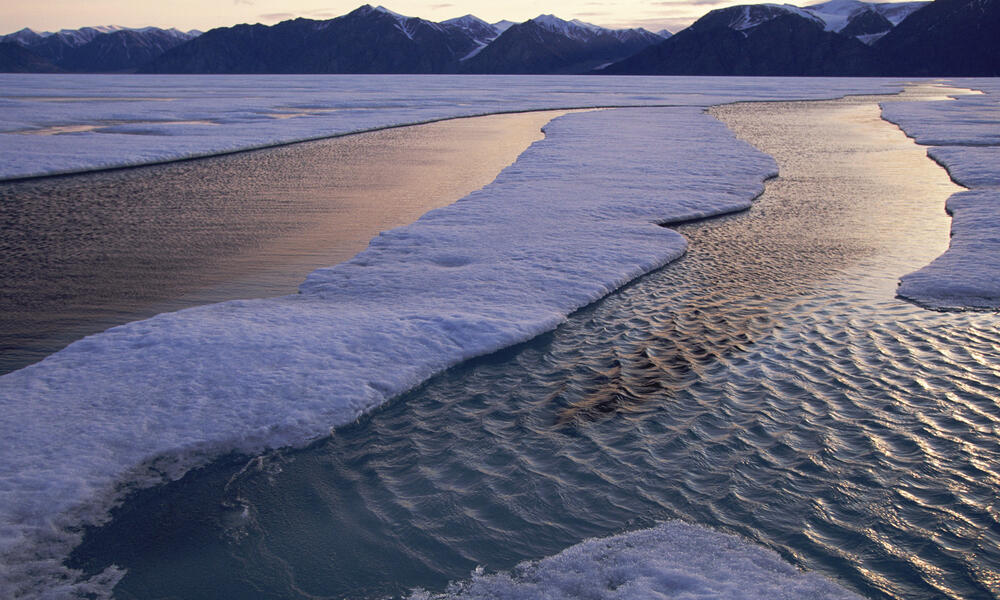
column 768, row 384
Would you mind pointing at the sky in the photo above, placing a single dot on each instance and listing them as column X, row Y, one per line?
column 52, row 15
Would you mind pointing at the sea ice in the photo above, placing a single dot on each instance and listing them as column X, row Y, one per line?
column 964, row 136
column 672, row 560
column 143, row 119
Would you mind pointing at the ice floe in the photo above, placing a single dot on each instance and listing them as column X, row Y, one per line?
column 672, row 560
column 964, row 137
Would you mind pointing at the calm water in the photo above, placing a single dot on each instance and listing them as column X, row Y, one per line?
column 767, row 384
column 83, row 253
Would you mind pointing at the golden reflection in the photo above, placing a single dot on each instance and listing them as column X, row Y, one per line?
column 384, row 179
column 81, row 128
column 844, row 148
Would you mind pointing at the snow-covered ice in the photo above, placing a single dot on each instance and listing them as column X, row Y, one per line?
column 672, row 560
column 964, row 136
column 141, row 119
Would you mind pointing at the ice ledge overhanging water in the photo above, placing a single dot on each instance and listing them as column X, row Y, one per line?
column 963, row 135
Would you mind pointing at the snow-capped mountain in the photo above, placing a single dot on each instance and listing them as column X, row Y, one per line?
column 837, row 37
column 758, row 39
column 102, row 48
column 866, row 21
column 503, row 25
column 548, row 44
column 748, row 16
column 837, row 14
column 122, row 49
column 476, row 29
column 366, row 40
column 586, row 32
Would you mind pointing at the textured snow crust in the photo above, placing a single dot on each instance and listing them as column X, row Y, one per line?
column 573, row 219
column 964, row 136
column 139, row 119
column 672, row 560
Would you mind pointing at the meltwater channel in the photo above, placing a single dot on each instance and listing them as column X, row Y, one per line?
column 768, row 384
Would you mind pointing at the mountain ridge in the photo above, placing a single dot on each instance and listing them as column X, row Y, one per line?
column 832, row 38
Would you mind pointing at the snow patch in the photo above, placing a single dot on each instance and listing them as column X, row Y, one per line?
column 753, row 15
column 964, row 135
column 836, row 14
column 673, row 560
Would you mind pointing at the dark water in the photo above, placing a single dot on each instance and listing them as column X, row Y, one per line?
column 767, row 384
column 83, row 253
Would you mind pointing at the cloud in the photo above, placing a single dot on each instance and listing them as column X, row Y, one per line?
column 683, row 3
column 655, row 24
column 243, row 2
column 308, row 14
column 441, row 6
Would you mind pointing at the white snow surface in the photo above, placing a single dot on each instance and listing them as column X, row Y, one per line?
column 964, row 136
column 672, row 560
column 141, row 119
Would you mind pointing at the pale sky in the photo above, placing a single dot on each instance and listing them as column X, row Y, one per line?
column 52, row 15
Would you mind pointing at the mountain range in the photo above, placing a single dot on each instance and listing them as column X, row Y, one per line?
column 94, row 49
column 834, row 38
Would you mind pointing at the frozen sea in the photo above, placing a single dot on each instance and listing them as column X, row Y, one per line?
column 202, row 398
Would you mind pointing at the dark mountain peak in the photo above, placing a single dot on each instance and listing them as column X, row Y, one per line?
column 364, row 9
column 369, row 39
column 122, row 50
column 946, row 38
column 749, row 16
column 753, row 40
column 100, row 49
column 574, row 29
column 548, row 44
column 867, row 22
column 24, row 37
column 478, row 30
column 469, row 20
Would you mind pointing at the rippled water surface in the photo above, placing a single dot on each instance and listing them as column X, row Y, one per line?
column 80, row 254
column 767, row 384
